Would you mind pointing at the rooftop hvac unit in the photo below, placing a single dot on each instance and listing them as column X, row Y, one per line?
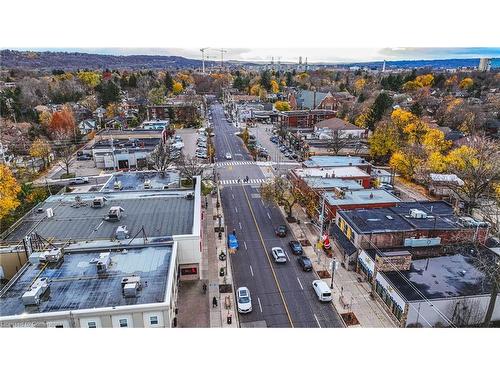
column 148, row 184
column 98, row 202
column 50, row 212
column 32, row 296
column 35, row 257
column 117, row 185
column 130, row 289
column 130, row 279
column 121, row 232
column 115, row 213
column 422, row 242
column 52, row 256
column 103, row 262
column 417, row 214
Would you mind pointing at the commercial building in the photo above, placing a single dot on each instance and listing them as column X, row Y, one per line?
column 102, row 285
column 329, row 128
column 415, row 225
column 151, row 215
column 439, row 291
column 337, row 161
column 344, row 173
column 303, row 120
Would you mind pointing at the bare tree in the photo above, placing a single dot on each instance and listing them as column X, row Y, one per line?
column 189, row 167
column 162, row 156
column 336, row 143
column 281, row 192
column 480, row 173
column 66, row 157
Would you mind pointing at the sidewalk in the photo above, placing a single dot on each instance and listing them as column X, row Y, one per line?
column 211, row 265
column 347, row 289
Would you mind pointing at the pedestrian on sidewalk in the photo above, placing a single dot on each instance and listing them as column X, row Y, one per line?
column 214, row 302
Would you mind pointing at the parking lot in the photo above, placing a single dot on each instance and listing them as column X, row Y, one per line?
column 263, row 132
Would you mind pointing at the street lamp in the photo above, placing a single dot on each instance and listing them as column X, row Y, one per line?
column 333, row 271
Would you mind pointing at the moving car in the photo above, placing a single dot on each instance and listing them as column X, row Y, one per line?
column 278, row 255
column 296, row 247
column 232, row 242
column 322, row 290
column 79, row 181
column 305, row 263
column 281, row 231
column 244, row 300
column 228, row 156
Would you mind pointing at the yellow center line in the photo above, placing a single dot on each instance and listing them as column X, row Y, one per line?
column 268, row 258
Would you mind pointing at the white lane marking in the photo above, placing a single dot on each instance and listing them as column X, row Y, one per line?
column 251, row 270
column 245, row 244
column 286, row 255
column 317, row 320
column 232, row 195
column 100, row 224
column 236, row 209
column 301, row 287
column 239, row 223
column 269, row 216
column 260, row 306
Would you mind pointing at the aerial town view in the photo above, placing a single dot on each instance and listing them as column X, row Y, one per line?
column 217, row 186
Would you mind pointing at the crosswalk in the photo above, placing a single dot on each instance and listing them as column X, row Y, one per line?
column 255, row 181
column 226, row 163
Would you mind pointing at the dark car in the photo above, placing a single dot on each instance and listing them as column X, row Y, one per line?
column 84, row 157
column 281, row 231
column 305, row 263
column 296, row 247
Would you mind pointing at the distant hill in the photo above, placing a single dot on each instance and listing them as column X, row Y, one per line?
column 77, row 60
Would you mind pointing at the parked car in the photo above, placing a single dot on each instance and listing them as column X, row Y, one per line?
column 296, row 247
column 244, row 300
column 228, row 156
column 281, row 231
column 305, row 263
column 79, row 181
column 322, row 290
column 278, row 255
column 84, row 157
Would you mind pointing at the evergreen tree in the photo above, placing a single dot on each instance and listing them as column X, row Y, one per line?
column 169, row 82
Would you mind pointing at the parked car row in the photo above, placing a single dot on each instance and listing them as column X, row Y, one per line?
column 285, row 150
column 201, row 143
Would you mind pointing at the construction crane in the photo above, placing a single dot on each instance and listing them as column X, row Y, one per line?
column 203, row 58
column 222, row 52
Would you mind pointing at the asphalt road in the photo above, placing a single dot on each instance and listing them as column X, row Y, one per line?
column 282, row 294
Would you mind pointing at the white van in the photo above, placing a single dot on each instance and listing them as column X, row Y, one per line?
column 322, row 290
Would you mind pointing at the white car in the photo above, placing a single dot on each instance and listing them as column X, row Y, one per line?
column 244, row 300
column 228, row 156
column 278, row 254
column 322, row 290
column 79, row 180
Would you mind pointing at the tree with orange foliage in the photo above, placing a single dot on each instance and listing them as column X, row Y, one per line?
column 62, row 124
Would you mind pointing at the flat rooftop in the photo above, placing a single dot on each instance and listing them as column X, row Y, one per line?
column 361, row 197
column 74, row 283
column 333, row 161
column 440, row 277
column 161, row 213
column 333, row 172
column 397, row 218
column 330, row 183
column 135, row 180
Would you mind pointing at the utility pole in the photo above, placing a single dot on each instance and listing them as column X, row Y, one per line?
column 222, row 52
column 203, row 59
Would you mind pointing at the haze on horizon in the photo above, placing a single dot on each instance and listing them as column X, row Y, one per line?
column 314, row 55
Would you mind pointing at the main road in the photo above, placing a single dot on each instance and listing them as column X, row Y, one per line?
column 282, row 294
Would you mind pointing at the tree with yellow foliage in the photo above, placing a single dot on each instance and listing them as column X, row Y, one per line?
column 45, row 118
column 434, row 141
column 383, row 141
column 111, row 110
column 177, row 88
column 275, row 87
column 282, row 106
column 405, row 163
column 436, row 162
column 254, row 89
column 9, row 189
column 40, row 148
column 359, row 85
column 425, row 80
column 89, row 79
column 466, row 83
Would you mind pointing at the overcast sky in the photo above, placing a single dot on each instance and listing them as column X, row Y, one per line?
column 314, row 55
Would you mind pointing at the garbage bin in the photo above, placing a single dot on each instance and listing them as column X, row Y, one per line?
column 221, row 272
column 229, row 319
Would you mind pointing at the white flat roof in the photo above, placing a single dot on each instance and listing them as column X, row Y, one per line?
column 339, row 172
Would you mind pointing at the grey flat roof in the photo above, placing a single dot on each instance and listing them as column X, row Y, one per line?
column 135, row 180
column 333, row 161
column 441, row 277
column 74, row 283
column 325, row 183
column 361, row 197
column 162, row 213
column 397, row 218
